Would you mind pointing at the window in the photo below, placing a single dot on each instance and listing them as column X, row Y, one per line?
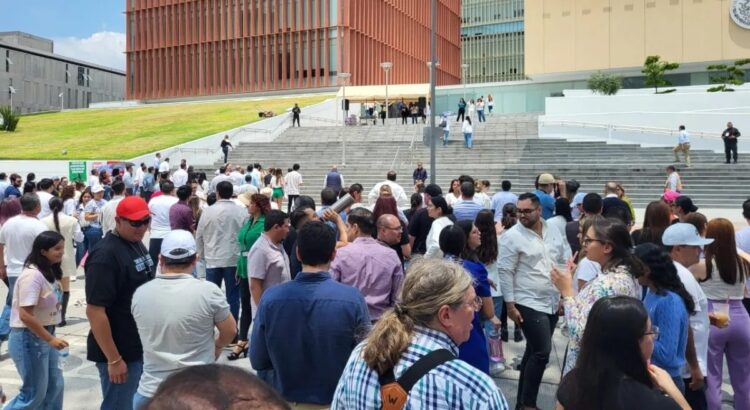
column 67, row 74
column 7, row 61
column 81, row 78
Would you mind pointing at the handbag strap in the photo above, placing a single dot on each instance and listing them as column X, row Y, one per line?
column 418, row 370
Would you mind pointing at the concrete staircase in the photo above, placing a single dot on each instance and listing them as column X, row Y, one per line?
column 505, row 147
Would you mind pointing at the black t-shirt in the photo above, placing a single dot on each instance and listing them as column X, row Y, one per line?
column 419, row 227
column 267, row 179
column 631, row 395
column 225, row 143
column 571, row 233
column 115, row 268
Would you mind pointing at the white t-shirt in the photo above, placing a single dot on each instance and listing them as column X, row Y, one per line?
column 18, row 234
column 293, row 182
column 44, row 198
column 180, row 177
column 743, row 239
column 159, row 208
column 164, row 166
column 699, row 321
column 587, row 270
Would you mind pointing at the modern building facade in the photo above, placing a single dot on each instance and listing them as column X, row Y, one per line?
column 492, row 40
column 33, row 78
column 184, row 48
column 579, row 36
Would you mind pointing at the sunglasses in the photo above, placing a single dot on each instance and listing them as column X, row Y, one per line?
column 138, row 224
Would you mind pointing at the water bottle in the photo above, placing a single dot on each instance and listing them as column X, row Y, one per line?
column 495, row 346
column 343, row 203
column 63, row 359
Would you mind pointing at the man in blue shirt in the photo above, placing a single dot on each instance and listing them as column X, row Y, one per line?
column 501, row 198
column 306, row 329
column 466, row 207
column 545, row 190
column 13, row 189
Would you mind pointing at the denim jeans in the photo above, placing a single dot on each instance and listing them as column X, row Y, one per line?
column 538, row 328
column 92, row 235
column 5, row 317
column 497, row 302
column 227, row 274
column 445, row 137
column 37, row 364
column 139, row 401
column 480, row 115
column 119, row 396
column 467, row 139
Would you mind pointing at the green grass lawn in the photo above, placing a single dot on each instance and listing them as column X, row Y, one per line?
column 128, row 132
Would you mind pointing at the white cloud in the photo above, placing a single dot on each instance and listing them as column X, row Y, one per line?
column 104, row 48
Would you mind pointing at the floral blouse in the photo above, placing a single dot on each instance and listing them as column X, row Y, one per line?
column 617, row 281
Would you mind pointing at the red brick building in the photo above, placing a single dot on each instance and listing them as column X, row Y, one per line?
column 184, row 48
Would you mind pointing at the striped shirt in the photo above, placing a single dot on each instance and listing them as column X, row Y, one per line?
column 452, row 385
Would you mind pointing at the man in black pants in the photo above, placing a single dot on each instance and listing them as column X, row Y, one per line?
column 730, row 136
column 527, row 254
column 295, row 115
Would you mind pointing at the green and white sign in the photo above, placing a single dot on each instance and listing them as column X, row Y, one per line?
column 77, row 171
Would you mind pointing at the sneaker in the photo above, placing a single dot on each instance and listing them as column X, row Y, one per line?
column 517, row 335
column 496, row 369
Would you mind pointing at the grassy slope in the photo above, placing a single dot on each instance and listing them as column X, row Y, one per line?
column 129, row 132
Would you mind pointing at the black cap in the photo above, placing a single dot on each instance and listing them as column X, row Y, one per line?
column 685, row 203
column 433, row 190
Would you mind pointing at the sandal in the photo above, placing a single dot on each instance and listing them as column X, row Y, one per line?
column 234, row 355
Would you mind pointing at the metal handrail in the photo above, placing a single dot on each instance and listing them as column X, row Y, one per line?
column 613, row 127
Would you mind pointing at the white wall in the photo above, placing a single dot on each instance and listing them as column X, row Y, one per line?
column 701, row 113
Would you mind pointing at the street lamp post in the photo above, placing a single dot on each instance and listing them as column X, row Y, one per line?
column 433, row 64
column 429, row 69
column 386, row 66
column 62, row 101
column 464, row 67
column 344, row 78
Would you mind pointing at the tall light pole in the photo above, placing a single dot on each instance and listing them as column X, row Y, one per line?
column 386, row 66
column 344, row 78
column 433, row 60
column 429, row 69
column 62, row 101
column 464, row 67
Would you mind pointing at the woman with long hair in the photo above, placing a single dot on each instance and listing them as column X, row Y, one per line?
column 35, row 312
column 657, row 220
column 668, row 304
column 508, row 219
column 474, row 351
column 9, row 208
column 415, row 205
column 83, row 246
column 613, row 370
column 487, row 254
column 277, row 183
column 435, row 311
column 723, row 276
column 68, row 227
column 607, row 242
column 439, row 210
column 468, row 131
column 455, row 192
column 258, row 206
column 562, row 215
column 68, row 197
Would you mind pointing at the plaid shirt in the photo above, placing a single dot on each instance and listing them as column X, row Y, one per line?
column 452, row 385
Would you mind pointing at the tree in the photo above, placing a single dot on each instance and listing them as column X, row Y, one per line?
column 605, row 83
column 9, row 119
column 732, row 75
column 654, row 69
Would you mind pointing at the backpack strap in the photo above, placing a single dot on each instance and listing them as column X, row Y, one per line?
column 394, row 392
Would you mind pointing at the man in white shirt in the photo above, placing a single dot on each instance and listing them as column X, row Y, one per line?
column 683, row 145
column 16, row 239
column 222, row 176
column 164, row 166
column 109, row 210
column 684, row 244
column 673, row 180
column 237, row 176
column 292, row 189
column 159, row 209
column 44, row 191
column 528, row 252
column 93, row 179
column 398, row 192
column 180, row 177
column 138, row 177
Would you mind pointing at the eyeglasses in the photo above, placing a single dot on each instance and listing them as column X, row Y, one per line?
column 586, row 241
column 654, row 331
column 138, row 224
column 476, row 304
column 526, row 211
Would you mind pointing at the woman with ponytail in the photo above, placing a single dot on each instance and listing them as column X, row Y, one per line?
column 435, row 312
column 68, row 227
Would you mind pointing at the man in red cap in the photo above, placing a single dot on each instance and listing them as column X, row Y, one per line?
column 115, row 268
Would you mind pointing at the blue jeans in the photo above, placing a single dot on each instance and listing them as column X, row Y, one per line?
column 480, row 115
column 119, row 396
column 80, row 251
column 139, row 401
column 445, row 137
column 467, row 139
column 92, row 235
column 38, row 366
column 227, row 274
column 497, row 302
column 5, row 317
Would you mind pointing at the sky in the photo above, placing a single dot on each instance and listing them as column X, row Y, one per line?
column 88, row 30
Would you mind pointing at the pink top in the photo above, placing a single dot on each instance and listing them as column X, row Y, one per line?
column 372, row 268
column 33, row 289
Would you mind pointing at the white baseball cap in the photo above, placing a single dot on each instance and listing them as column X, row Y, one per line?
column 178, row 244
column 96, row 189
column 683, row 234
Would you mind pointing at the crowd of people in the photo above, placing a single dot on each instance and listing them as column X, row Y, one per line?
column 348, row 301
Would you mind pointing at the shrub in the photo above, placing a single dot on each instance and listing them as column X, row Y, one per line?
column 654, row 70
column 10, row 119
column 732, row 75
column 605, row 83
